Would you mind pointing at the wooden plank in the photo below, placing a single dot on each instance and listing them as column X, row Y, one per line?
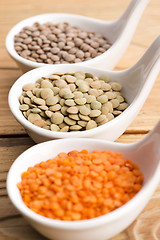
column 13, row 226
column 8, row 124
column 11, row 147
column 145, row 120
column 147, row 29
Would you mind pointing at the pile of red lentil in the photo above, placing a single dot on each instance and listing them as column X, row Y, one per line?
column 80, row 185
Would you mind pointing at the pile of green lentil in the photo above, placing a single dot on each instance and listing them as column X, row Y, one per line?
column 68, row 102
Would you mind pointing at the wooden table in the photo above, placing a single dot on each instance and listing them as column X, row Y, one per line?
column 14, row 140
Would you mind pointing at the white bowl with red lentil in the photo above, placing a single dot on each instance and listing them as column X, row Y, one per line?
column 88, row 189
column 34, row 43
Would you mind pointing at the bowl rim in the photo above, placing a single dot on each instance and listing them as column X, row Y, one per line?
column 82, row 224
column 9, row 41
column 53, row 134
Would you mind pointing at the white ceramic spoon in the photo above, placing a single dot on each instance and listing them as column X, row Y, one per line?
column 146, row 153
column 118, row 32
column 137, row 82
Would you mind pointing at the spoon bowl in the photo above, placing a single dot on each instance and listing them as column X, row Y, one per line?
column 119, row 33
column 146, row 153
column 136, row 81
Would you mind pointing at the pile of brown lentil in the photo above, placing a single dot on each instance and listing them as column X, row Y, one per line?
column 80, row 185
column 71, row 101
column 59, row 43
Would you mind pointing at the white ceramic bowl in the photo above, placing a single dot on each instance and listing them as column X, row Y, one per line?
column 137, row 82
column 118, row 32
column 145, row 153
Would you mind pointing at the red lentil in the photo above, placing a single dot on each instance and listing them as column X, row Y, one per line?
column 80, row 185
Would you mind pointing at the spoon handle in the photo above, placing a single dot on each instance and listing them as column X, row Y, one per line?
column 150, row 61
column 135, row 8
column 125, row 26
column 122, row 29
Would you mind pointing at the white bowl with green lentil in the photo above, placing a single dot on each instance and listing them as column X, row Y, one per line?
column 57, row 38
column 66, row 101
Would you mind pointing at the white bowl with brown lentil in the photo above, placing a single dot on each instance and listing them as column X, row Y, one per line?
column 145, row 153
column 68, row 100
column 66, row 38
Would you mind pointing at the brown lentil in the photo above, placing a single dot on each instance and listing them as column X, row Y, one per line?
column 52, row 44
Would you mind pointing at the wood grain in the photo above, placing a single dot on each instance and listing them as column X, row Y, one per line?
column 14, row 140
column 8, row 124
